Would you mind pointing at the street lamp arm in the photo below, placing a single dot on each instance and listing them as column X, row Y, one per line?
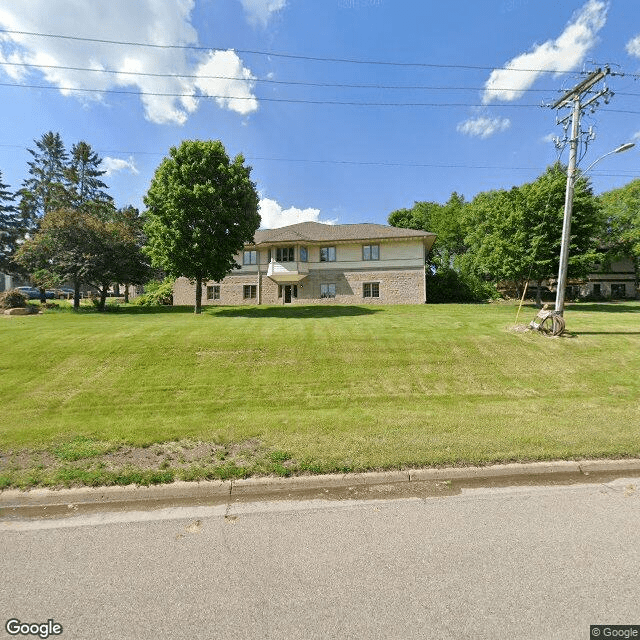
column 623, row 147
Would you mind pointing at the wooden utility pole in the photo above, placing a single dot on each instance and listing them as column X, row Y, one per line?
column 580, row 98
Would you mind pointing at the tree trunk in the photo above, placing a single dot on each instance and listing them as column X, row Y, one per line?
column 76, row 296
column 538, row 294
column 198, row 308
column 43, row 295
column 126, row 294
column 103, row 296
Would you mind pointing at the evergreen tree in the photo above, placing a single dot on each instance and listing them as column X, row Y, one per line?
column 11, row 228
column 84, row 175
column 47, row 188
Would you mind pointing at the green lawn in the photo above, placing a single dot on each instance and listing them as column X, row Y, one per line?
column 286, row 390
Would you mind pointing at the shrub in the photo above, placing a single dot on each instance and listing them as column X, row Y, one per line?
column 156, row 293
column 12, row 298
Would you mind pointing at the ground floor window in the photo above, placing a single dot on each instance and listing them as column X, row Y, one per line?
column 597, row 290
column 328, row 290
column 250, row 291
column 213, row 292
column 371, row 290
column 618, row 291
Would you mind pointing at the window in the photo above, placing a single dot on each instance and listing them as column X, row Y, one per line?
column 371, row 290
column 327, row 254
column 303, row 254
column 371, row 252
column 617, row 291
column 250, row 291
column 285, row 254
column 596, row 290
column 328, row 290
column 250, row 257
column 213, row 292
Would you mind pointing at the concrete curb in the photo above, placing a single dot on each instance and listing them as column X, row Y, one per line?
column 270, row 486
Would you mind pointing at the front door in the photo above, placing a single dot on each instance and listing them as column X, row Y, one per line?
column 287, row 293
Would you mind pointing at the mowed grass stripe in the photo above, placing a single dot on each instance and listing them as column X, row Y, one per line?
column 336, row 387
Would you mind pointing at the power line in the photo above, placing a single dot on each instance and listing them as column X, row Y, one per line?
column 275, row 54
column 200, row 96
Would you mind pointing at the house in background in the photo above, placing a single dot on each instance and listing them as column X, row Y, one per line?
column 314, row 263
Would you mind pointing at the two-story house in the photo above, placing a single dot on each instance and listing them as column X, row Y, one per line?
column 314, row 263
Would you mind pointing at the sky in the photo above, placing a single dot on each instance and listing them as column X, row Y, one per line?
column 346, row 110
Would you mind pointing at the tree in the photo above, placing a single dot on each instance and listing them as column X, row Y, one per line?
column 621, row 229
column 202, row 208
column 12, row 229
column 84, row 178
column 47, row 188
column 515, row 235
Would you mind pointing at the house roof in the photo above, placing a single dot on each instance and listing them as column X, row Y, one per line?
column 318, row 232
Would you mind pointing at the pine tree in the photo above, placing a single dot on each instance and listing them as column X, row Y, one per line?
column 12, row 228
column 84, row 176
column 47, row 188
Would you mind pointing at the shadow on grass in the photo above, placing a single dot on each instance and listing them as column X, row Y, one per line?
column 604, row 307
column 297, row 311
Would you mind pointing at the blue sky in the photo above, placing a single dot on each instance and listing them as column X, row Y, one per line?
column 345, row 109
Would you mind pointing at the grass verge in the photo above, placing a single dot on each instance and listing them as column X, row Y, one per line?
column 90, row 398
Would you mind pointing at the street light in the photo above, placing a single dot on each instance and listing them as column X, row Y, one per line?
column 566, row 225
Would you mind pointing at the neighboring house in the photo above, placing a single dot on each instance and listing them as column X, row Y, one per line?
column 314, row 263
column 617, row 282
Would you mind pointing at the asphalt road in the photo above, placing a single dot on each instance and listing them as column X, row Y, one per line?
column 519, row 562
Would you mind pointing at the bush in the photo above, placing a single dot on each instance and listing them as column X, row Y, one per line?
column 449, row 285
column 156, row 293
column 12, row 299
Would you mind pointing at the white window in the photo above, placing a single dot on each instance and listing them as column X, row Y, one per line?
column 371, row 252
column 285, row 254
column 327, row 254
column 371, row 290
column 328, row 290
column 213, row 292
column 250, row 257
column 250, row 291
column 304, row 256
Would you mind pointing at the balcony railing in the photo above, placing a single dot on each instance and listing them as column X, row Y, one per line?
column 287, row 271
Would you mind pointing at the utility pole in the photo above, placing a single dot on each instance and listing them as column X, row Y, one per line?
column 580, row 98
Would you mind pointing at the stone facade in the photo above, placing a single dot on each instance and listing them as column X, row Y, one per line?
column 311, row 263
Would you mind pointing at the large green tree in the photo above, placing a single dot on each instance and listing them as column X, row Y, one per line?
column 47, row 188
column 84, row 176
column 621, row 230
column 515, row 235
column 12, row 228
column 201, row 209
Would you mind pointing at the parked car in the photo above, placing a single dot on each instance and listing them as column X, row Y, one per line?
column 34, row 294
column 31, row 292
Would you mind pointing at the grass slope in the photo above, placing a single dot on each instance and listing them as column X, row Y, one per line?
column 282, row 390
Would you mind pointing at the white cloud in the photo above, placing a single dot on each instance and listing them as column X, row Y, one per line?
column 274, row 216
column 228, row 65
column 483, row 127
column 154, row 21
column 567, row 52
column 259, row 11
column 112, row 165
column 633, row 47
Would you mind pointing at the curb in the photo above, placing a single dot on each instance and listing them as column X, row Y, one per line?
column 225, row 490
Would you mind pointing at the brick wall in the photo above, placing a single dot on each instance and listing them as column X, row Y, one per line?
column 395, row 287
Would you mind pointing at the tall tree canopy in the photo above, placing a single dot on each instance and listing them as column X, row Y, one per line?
column 621, row 212
column 47, row 187
column 202, row 208
column 84, row 175
column 515, row 235
column 12, row 228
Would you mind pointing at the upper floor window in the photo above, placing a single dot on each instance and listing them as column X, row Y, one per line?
column 327, row 254
column 371, row 252
column 304, row 256
column 250, row 257
column 285, row 254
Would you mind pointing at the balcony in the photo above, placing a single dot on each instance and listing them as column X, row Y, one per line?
column 287, row 272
